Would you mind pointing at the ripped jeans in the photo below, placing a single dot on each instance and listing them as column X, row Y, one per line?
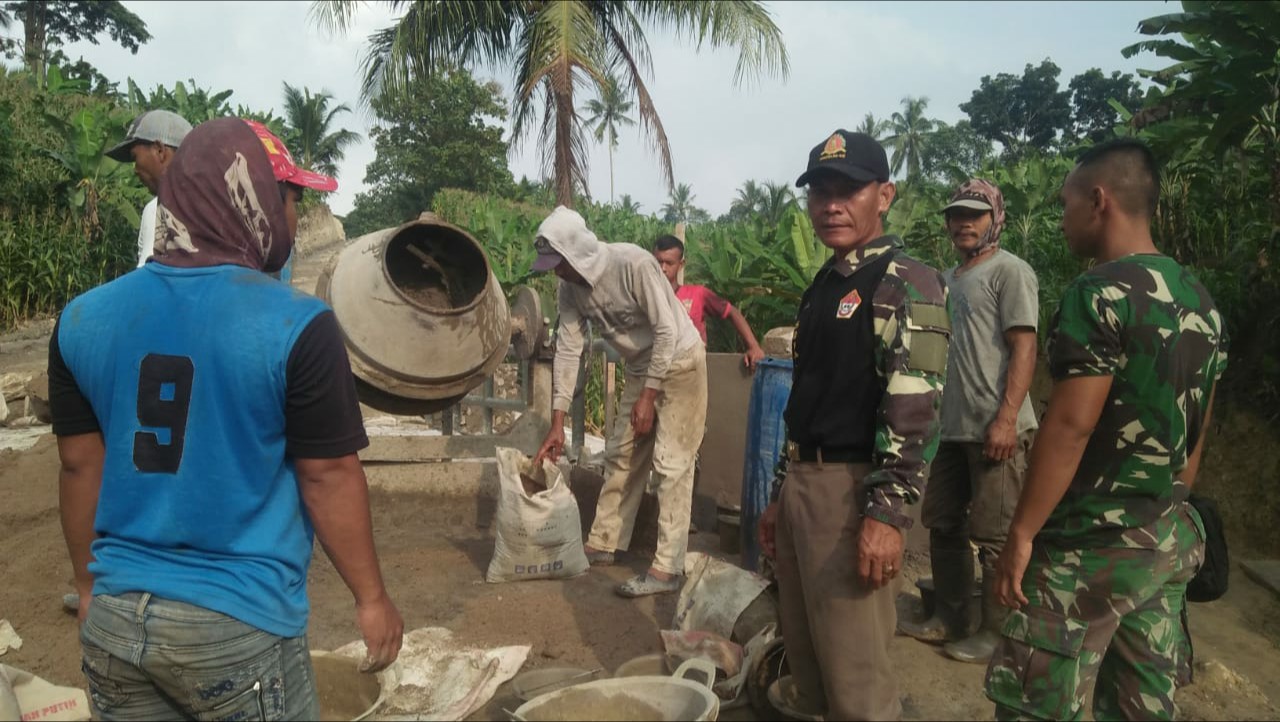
column 151, row 658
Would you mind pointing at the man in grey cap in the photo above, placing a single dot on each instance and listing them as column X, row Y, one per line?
column 149, row 144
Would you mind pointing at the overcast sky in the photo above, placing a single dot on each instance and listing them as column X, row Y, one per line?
column 847, row 59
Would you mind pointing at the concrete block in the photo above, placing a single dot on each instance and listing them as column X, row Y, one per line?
column 13, row 386
column 37, row 400
column 778, row 342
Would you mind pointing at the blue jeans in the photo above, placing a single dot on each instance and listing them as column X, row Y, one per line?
column 151, row 658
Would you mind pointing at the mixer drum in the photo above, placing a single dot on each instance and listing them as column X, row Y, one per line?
column 422, row 315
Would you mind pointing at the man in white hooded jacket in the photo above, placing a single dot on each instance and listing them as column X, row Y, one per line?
column 620, row 290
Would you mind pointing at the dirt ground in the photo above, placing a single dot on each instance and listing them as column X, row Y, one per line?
column 434, row 553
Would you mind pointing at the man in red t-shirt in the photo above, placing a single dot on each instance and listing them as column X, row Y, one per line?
column 700, row 300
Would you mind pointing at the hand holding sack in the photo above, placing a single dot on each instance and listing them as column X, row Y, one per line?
column 539, row 529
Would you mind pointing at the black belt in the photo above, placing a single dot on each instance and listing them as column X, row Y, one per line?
column 832, row 454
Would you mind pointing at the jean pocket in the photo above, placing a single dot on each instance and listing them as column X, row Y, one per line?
column 107, row 694
column 1035, row 669
column 249, row 689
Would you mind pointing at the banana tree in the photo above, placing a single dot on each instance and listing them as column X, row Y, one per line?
column 94, row 182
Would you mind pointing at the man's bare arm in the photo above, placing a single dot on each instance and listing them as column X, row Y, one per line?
column 336, row 496
column 1002, row 434
column 754, row 353
column 79, row 482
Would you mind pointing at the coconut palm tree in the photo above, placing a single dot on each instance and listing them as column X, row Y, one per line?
column 310, row 118
column 626, row 205
column 750, row 198
column 911, row 132
column 607, row 113
column 680, row 205
column 554, row 48
column 774, row 201
column 872, row 126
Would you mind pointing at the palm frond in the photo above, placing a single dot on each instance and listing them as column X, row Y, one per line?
column 744, row 24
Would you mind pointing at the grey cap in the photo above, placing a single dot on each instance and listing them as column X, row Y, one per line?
column 154, row 125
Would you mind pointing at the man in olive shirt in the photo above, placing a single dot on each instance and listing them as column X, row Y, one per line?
column 870, row 359
column 987, row 421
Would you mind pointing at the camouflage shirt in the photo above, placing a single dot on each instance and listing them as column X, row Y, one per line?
column 912, row 329
column 1150, row 325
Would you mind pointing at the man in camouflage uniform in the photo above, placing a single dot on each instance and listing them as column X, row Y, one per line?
column 1103, row 541
column 870, row 358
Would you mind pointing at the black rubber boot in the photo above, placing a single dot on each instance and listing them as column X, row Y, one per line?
column 952, row 563
column 978, row 648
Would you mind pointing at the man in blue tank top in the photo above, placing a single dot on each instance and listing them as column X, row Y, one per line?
column 208, row 427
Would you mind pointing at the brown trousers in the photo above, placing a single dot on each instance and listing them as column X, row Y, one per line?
column 970, row 496
column 836, row 631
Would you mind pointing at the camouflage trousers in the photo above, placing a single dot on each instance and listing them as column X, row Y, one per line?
column 1111, row 614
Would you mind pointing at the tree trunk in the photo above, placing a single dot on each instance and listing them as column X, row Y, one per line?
column 33, row 26
column 564, row 145
column 611, row 172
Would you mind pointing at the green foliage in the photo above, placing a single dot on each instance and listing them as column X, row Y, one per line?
column 1214, row 120
column 1094, row 97
column 316, row 145
column 954, row 153
column 1022, row 113
column 911, row 134
column 47, row 262
column 195, row 105
column 680, row 208
column 441, row 135
column 49, row 25
column 606, row 114
column 69, row 214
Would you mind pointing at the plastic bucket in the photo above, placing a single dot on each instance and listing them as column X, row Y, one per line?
column 346, row 693
column 631, row 698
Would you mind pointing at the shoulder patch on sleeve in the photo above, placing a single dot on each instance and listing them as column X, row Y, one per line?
column 930, row 328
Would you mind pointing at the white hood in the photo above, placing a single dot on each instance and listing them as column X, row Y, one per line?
column 567, row 233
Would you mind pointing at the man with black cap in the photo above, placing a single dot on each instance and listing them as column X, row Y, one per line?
column 987, row 422
column 870, row 360
column 149, row 143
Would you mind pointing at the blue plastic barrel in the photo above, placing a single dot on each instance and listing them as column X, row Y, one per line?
column 766, row 439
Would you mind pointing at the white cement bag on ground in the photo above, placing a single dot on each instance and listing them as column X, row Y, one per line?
column 539, row 531
column 714, row 595
column 437, row 678
column 41, row 700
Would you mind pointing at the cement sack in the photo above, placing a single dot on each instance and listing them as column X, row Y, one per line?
column 38, row 699
column 539, row 531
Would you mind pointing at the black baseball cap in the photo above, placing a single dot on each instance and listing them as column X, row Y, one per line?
column 855, row 155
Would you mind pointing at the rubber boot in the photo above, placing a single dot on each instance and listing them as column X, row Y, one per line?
column 978, row 648
column 952, row 565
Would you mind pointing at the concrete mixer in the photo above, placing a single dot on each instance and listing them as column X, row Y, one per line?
column 423, row 316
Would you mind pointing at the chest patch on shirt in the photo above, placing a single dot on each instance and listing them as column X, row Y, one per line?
column 848, row 305
column 688, row 304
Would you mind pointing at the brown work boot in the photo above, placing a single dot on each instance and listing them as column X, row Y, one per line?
column 978, row 648
column 952, row 589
